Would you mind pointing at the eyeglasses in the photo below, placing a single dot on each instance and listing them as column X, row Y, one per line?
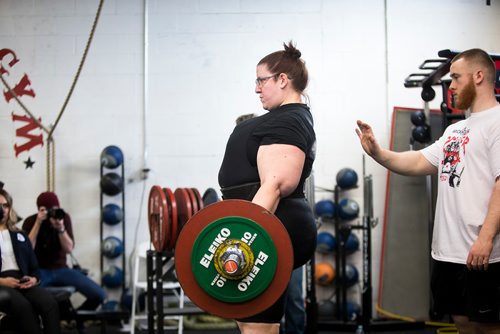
column 5, row 205
column 260, row 81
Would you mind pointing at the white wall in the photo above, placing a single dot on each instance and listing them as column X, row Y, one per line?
column 200, row 68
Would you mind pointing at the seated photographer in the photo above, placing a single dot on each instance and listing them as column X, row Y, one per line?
column 51, row 234
column 22, row 298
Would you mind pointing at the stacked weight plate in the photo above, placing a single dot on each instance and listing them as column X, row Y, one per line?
column 168, row 212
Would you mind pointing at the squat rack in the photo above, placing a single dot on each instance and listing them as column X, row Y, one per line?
column 365, row 319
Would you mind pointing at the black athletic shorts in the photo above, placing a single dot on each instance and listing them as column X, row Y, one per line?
column 297, row 217
column 457, row 290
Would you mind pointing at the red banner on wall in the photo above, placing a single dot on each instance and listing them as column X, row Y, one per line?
column 28, row 132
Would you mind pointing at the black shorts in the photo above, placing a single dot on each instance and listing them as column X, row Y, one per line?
column 457, row 290
column 298, row 219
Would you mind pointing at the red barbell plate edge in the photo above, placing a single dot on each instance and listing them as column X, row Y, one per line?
column 157, row 191
column 194, row 202
column 198, row 198
column 174, row 230
column 184, row 210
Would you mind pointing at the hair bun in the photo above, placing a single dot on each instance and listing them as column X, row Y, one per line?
column 291, row 51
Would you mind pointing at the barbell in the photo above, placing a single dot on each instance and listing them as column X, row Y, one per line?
column 233, row 258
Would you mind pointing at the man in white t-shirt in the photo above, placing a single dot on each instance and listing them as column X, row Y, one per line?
column 466, row 241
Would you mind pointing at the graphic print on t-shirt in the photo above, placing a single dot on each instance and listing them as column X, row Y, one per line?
column 453, row 152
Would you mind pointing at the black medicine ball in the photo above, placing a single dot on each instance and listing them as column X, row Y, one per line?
column 111, row 184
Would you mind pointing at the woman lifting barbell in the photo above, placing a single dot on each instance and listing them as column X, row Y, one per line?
column 268, row 159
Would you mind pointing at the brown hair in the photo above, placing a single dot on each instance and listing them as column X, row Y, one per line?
column 288, row 61
column 244, row 117
column 481, row 58
column 12, row 218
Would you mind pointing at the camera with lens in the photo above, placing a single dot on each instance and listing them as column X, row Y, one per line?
column 1, row 212
column 56, row 213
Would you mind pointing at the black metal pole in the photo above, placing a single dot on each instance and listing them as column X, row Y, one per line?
column 311, row 302
column 150, row 282
column 124, row 266
column 367, row 278
column 159, row 291
column 338, row 264
column 367, row 292
column 344, row 233
column 101, row 228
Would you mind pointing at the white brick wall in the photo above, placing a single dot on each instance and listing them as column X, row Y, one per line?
column 202, row 57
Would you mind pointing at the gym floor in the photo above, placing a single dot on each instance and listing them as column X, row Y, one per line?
column 96, row 329
column 116, row 330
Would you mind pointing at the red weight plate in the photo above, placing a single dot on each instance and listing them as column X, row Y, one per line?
column 184, row 208
column 269, row 222
column 158, row 218
column 198, row 198
column 194, row 202
column 172, row 205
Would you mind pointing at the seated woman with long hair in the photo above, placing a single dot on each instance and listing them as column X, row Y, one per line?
column 22, row 299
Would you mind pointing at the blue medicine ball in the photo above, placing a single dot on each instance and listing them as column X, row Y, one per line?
column 111, row 157
column 351, row 275
column 325, row 208
column 351, row 244
column 348, row 209
column 110, row 305
column 353, row 311
column 210, row 196
column 112, row 214
column 112, row 247
column 326, row 242
column 113, row 277
column 126, row 300
column 347, row 178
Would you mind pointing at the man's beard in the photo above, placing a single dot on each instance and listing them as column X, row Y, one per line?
column 466, row 97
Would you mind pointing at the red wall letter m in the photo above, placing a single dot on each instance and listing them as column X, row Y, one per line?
column 25, row 132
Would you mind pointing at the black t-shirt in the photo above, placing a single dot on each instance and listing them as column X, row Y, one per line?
column 290, row 124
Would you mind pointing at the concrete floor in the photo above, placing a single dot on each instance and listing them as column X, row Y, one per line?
column 116, row 329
